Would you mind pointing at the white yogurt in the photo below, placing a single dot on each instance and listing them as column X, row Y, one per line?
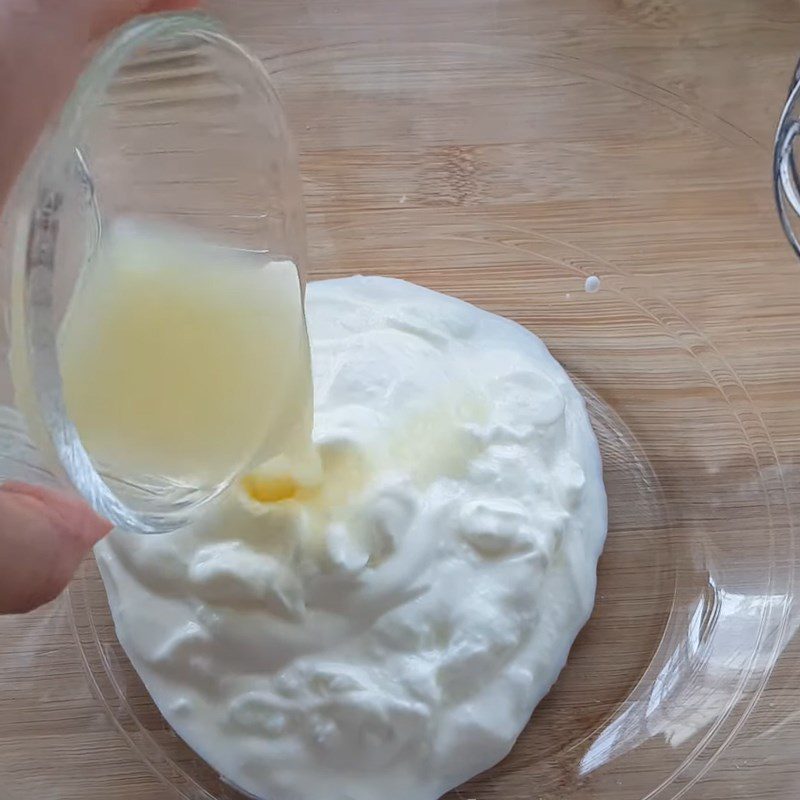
column 388, row 633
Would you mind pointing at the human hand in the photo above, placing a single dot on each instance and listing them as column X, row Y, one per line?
column 44, row 45
column 44, row 534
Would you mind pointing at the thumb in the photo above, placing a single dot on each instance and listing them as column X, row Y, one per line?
column 44, row 535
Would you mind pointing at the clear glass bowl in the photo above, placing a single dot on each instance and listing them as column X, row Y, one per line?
column 507, row 177
column 171, row 123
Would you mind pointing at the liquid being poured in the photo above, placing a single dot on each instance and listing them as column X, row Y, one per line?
column 186, row 360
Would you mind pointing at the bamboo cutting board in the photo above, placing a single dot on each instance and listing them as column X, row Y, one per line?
column 503, row 151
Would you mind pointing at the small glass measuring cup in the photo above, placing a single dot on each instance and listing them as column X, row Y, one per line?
column 171, row 123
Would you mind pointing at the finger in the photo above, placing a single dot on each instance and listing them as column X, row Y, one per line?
column 44, row 535
column 44, row 44
column 105, row 15
column 65, row 511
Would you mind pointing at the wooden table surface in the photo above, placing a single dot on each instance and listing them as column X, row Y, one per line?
column 502, row 151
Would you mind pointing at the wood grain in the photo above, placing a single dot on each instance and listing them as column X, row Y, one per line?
column 502, row 151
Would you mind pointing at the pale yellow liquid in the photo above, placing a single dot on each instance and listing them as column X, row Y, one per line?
column 184, row 360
